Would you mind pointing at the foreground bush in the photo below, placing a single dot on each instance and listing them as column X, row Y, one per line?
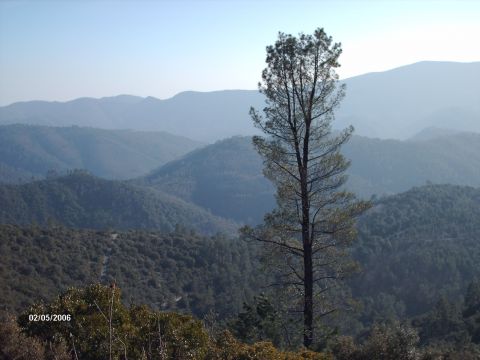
column 14, row 344
column 397, row 341
column 101, row 327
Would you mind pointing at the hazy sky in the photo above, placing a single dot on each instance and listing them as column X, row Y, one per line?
column 60, row 50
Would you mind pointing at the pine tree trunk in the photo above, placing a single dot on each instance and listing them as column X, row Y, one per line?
column 308, row 298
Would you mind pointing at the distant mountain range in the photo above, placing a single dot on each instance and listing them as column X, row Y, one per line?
column 28, row 151
column 401, row 102
column 393, row 104
column 201, row 116
column 225, row 178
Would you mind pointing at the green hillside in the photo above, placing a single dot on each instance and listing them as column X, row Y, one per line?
column 413, row 248
column 27, row 151
column 226, row 177
column 80, row 200
column 392, row 166
column 170, row 271
column 416, row 247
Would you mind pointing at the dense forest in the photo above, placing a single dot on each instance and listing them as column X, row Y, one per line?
column 178, row 271
column 154, row 238
column 226, row 177
column 230, row 168
column 415, row 249
column 81, row 200
column 417, row 252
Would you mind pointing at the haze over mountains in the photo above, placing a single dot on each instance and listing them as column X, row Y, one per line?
column 224, row 180
column 401, row 102
column 225, row 177
column 31, row 150
column 203, row 117
column 393, row 104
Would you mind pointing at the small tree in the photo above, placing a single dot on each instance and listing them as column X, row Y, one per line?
column 308, row 234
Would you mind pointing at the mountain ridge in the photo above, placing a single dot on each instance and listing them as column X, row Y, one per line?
column 396, row 103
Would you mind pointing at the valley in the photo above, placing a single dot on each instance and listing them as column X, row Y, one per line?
column 159, row 211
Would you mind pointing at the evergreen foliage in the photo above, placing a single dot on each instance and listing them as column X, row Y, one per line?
column 418, row 252
column 415, row 248
column 225, row 178
column 81, row 200
column 179, row 271
column 258, row 321
column 308, row 233
column 102, row 327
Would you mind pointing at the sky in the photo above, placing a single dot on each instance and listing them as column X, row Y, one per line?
column 61, row 50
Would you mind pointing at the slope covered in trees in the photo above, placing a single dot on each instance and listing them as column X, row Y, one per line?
column 101, row 326
column 27, row 151
column 392, row 166
column 226, row 177
column 415, row 248
column 81, row 200
column 418, row 252
column 169, row 271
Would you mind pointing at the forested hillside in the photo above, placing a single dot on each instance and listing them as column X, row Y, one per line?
column 169, row 271
column 226, row 177
column 208, row 180
column 392, row 166
column 415, row 248
column 32, row 151
column 81, row 200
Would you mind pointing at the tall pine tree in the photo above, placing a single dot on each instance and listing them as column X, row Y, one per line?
column 308, row 234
